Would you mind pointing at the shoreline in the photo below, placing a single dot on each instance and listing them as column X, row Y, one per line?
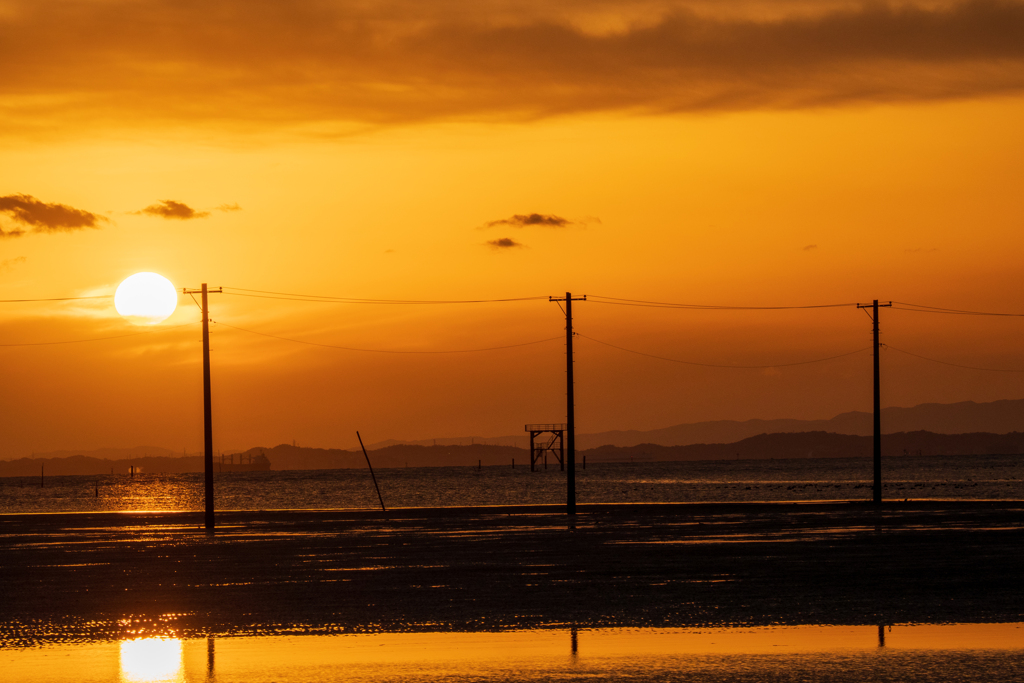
column 699, row 507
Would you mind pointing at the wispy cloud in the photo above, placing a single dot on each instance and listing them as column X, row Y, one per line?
column 379, row 62
column 810, row 247
column 229, row 207
column 8, row 264
column 168, row 208
column 530, row 219
column 504, row 243
column 42, row 217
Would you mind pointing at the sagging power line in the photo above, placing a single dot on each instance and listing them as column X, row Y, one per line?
column 715, row 365
column 400, row 351
column 95, row 339
column 318, row 298
column 63, row 298
column 707, row 307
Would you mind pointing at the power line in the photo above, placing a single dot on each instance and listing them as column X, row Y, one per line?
column 64, row 298
column 955, row 365
column 350, row 348
column 317, row 298
column 92, row 339
column 920, row 308
column 713, row 365
column 707, row 307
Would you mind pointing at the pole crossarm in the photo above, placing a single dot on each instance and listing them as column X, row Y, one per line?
column 879, row 304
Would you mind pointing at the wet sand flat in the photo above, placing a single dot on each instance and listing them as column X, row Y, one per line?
column 98, row 576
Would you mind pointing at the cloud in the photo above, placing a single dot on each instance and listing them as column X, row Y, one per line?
column 530, row 219
column 43, row 217
column 920, row 250
column 504, row 243
column 229, row 207
column 312, row 62
column 10, row 263
column 168, row 208
column 810, row 247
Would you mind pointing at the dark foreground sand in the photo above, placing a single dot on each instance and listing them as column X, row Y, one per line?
column 113, row 575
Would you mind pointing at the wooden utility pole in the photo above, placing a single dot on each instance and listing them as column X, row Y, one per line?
column 570, row 409
column 877, row 440
column 207, row 402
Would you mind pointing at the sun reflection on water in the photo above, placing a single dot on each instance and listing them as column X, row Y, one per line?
column 152, row 660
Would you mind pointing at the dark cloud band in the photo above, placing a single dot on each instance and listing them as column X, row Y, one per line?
column 272, row 62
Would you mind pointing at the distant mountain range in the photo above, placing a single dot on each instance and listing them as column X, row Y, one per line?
column 996, row 417
column 119, row 453
column 966, row 428
column 762, row 446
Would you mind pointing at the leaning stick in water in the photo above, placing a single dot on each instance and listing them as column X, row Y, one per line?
column 371, row 472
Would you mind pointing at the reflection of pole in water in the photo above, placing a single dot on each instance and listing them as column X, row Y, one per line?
column 209, row 658
column 574, row 642
column 881, row 635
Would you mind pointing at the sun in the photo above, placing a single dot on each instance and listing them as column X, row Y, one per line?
column 146, row 298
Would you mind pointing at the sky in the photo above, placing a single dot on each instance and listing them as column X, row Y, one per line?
column 747, row 153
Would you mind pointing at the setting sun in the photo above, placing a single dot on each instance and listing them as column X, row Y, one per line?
column 146, row 298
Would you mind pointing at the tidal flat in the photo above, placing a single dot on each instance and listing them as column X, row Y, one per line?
column 98, row 580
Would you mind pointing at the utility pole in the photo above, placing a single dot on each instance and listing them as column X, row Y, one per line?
column 207, row 403
column 570, row 417
column 877, row 441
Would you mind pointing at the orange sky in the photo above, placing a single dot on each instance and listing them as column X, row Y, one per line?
column 746, row 152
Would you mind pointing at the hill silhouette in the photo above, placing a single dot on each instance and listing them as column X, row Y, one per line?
column 818, row 445
column 761, row 446
column 965, row 417
column 965, row 428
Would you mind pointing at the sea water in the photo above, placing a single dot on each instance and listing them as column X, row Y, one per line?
column 986, row 653
column 995, row 477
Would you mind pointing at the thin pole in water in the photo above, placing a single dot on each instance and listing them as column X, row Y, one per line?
column 371, row 472
column 42, row 476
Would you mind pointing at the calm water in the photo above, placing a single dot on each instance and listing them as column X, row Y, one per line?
column 957, row 652
column 928, row 477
